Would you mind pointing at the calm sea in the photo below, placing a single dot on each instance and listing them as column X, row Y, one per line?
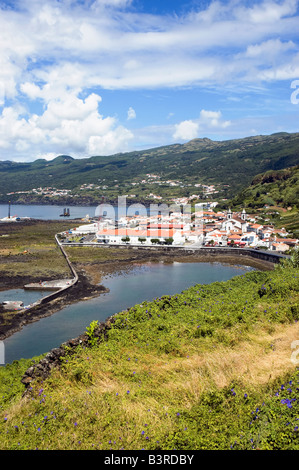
column 46, row 212
column 145, row 282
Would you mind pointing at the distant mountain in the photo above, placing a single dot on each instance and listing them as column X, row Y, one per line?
column 232, row 164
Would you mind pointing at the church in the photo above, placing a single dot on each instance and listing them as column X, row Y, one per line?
column 235, row 222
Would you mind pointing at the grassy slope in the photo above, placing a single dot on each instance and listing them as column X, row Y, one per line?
column 232, row 162
column 271, row 188
column 278, row 191
column 28, row 249
column 209, row 368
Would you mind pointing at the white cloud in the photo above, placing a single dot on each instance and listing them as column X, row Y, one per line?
column 271, row 11
column 53, row 53
column 110, row 142
column 208, row 121
column 272, row 48
column 71, row 126
column 186, row 130
column 133, row 49
column 213, row 119
column 131, row 113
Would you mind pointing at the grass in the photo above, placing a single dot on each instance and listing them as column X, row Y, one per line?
column 98, row 254
column 28, row 249
column 289, row 220
column 209, row 368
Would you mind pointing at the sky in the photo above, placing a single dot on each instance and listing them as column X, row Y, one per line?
column 100, row 77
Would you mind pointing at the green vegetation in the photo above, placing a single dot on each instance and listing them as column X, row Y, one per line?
column 28, row 249
column 231, row 165
column 273, row 188
column 274, row 194
column 209, row 368
column 289, row 220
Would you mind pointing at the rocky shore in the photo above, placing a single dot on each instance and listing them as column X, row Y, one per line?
column 41, row 370
column 89, row 283
column 82, row 290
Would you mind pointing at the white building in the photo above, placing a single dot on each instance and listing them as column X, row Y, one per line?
column 234, row 222
column 139, row 237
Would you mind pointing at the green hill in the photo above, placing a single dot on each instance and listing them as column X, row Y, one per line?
column 273, row 188
column 232, row 164
column 276, row 193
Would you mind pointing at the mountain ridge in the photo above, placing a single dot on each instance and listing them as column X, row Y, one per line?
column 232, row 163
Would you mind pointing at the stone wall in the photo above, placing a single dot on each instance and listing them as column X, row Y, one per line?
column 53, row 358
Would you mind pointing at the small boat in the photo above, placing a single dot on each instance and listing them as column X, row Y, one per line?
column 66, row 213
column 10, row 218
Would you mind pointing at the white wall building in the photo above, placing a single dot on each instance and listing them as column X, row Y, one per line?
column 139, row 237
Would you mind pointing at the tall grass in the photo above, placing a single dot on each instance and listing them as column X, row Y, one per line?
column 208, row 368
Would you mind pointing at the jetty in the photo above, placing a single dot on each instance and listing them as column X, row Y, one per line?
column 49, row 285
column 11, row 305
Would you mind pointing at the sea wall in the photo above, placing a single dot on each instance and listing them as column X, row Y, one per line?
column 268, row 256
column 58, row 293
column 53, row 358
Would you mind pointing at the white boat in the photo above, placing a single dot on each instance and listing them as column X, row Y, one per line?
column 10, row 219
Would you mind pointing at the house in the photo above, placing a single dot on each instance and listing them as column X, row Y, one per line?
column 257, row 228
column 250, row 239
column 281, row 247
column 194, row 236
column 217, row 237
column 84, row 229
column 234, row 239
column 291, row 242
column 138, row 237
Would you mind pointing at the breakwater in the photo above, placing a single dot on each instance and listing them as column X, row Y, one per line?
column 204, row 252
column 267, row 256
column 57, row 292
column 61, row 290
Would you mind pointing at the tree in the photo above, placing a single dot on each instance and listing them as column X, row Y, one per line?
column 293, row 261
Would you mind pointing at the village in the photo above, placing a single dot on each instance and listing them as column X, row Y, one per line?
column 202, row 227
column 149, row 186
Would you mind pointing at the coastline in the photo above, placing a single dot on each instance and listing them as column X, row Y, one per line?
column 91, row 274
column 83, row 290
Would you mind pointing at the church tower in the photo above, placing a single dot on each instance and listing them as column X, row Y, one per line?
column 244, row 215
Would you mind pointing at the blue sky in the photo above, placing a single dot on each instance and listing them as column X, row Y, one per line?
column 99, row 77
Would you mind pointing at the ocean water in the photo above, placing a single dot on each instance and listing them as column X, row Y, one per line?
column 145, row 282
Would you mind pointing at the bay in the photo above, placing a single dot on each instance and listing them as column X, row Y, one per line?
column 53, row 212
column 144, row 283
column 46, row 212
